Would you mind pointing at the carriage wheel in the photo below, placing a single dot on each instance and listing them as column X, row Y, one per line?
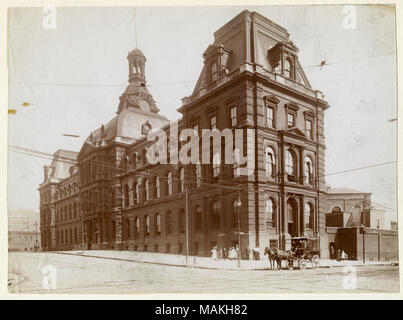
column 302, row 264
column 315, row 262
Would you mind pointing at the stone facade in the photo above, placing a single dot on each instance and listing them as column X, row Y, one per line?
column 251, row 80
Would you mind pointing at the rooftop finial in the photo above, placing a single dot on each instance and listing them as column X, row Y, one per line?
column 135, row 26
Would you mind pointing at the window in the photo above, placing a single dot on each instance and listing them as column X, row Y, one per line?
column 138, row 191
column 213, row 123
column 169, row 183
column 137, row 226
column 147, row 225
column 270, row 117
column 158, row 224
column 158, row 187
column 196, row 129
column 289, row 163
column 214, row 74
column 198, row 174
column 216, row 165
column 198, row 218
column 182, row 222
column 308, row 171
column 270, row 162
column 308, row 128
column 308, row 215
column 291, row 120
column 135, row 193
column 216, row 215
column 182, row 175
column 127, row 222
column 233, row 116
column 270, row 210
column 235, row 214
column 126, row 195
column 169, row 222
column 287, row 68
column 147, row 186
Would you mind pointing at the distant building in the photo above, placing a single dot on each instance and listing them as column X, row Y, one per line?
column 351, row 218
column 23, row 230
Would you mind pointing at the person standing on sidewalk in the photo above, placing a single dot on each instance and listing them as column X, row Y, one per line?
column 338, row 258
column 224, row 253
column 214, row 254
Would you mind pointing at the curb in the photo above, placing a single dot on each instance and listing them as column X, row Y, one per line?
column 212, row 268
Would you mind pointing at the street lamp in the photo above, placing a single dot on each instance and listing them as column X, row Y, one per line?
column 238, row 205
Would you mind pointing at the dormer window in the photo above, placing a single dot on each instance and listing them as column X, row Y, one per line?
column 288, row 68
column 214, row 70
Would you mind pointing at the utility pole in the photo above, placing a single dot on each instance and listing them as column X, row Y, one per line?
column 36, row 236
column 187, row 222
column 238, row 205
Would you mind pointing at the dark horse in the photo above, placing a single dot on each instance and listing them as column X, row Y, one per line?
column 277, row 256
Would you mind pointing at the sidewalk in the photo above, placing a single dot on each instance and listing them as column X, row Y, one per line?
column 204, row 262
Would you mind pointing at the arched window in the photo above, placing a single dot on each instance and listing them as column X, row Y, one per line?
column 216, row 165
column 214, row 71
column 216, row 215
column 270, row 210
column 147, row 187
column 235, row 213
column 336, row 209
column 147, row 225
column 127, row 229
column 236, row 163
column 182, row 175
column 158, row 187
column 157, row 224
column 308, row 170
column 137, row 192
column 169, row 222
column 287, row 68
column 198, row 174
column 134, row 190
column 290, row 163
column 308, row 215
column 198, row 218
column 136, row 226
column 169, row 183
column 270, row 162
column 126, row 195
column 182, row 221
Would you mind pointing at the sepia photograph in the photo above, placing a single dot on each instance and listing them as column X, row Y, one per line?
column 202, row 150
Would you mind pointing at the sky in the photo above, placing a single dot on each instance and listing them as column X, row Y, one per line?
column 73, row 74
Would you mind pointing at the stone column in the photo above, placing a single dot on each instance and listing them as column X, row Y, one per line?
column 302, row 213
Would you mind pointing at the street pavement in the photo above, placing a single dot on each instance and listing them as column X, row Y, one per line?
column 66, row 273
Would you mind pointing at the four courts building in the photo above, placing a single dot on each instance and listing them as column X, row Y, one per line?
column 109, row 196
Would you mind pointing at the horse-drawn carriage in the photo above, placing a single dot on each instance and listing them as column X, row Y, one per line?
column 303, row 250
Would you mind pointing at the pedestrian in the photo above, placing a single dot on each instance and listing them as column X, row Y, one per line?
column 343, row 255
column 214, row 253
column 256, row 253
column 220, row 254
column 231, row 254
column 224, row 253
column 338, row 258
column 236, row 252
column 331, row 253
